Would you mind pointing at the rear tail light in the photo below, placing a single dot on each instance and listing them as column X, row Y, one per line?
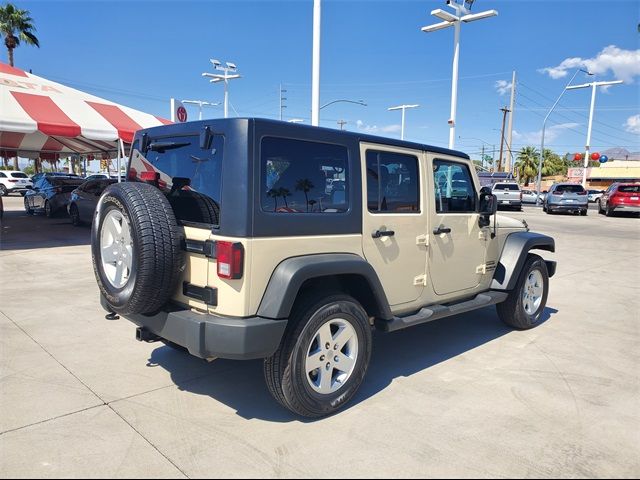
column 13, row 181
column 230, row 258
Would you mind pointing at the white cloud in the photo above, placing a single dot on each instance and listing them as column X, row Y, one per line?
column 632, row 124
column 550, row 134
column 624, row 64
column 373, row 129
column 503, row 87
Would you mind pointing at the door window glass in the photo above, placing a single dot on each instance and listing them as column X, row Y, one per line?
column 393, row 184
column 454, row 188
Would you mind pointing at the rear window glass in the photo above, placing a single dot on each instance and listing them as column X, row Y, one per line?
column 629, row 188
column 61, row 181
column 19, row 175
column 569, row 189
column 190, row 177
column 506, row 186
column 299, row 176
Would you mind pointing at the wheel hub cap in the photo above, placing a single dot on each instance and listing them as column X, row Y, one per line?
column 532, row 292
column 116, row 248
column 331, row 356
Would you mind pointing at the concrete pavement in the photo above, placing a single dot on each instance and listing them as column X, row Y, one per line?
column 460, row 397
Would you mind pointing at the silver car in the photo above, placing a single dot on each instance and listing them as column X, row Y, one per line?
column 566, row 197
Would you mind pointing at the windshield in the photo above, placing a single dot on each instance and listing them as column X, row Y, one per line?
column 190, row 177
column 569, row 189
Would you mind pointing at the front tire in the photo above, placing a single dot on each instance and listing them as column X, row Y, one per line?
column 27, row 208
column 523, row 307
column 48, row 211
column 3, row 191
column 600, row 211
column 323, row 357
column 74, row 214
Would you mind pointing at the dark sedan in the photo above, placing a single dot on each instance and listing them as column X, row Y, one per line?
column 50, row 194
column 84, row 199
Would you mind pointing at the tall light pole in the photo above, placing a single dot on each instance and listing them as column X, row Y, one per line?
column 315, row 73
column 462, row 14
column 201, row 104
column 216, row 77
column 403, row 108
column 544, row 124
column 594, row 86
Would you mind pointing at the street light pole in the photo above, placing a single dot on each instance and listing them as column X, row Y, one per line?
column 544, row 124
column 594, row 86
column 403, row 108
column 200, row 104
column 315, row 73
column 215, row 78
column 462, row 14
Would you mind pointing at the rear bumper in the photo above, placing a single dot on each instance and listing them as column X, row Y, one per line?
column 568, row 207
column 625, row 208
column 208, row 336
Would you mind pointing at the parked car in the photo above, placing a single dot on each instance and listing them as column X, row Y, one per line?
column 594, row 195
column 530, row 196
column 224, row 241
column 50, row 194
column 620, row 197
column 566, row 197
column 14, row 182
column 84, row 199
column 508, row 194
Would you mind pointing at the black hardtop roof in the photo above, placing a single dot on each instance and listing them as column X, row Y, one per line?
column 192, row 127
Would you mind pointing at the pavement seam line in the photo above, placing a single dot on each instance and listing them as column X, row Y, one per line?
column 148, row 441
column 54, row 358
column 52, row 419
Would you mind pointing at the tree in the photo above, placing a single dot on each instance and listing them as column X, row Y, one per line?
column 553, row 164
column 16, row 26
column 305, row 185
column 284, row 193
column 274, row 193
column 527, row 164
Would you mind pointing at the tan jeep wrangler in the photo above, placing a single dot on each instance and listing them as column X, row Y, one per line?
column 251, row 238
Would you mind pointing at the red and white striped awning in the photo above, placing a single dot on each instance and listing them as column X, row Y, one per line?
column 39, row 116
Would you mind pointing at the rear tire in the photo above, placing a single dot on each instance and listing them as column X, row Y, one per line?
column 609, row 211
column 48, row 211
column 27, row 208
column 335, row 321
column 523, row 307
column 583, row 212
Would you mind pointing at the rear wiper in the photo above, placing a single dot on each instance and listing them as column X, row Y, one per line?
column 162, row 146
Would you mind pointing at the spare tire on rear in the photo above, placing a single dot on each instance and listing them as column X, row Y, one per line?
column 136, row 248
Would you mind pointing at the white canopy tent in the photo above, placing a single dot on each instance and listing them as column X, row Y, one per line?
column 40, row 118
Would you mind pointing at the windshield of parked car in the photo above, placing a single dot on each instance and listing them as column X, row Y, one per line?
column 190, row 176
column 629, row 188
column 506, row 186
column 569, row 189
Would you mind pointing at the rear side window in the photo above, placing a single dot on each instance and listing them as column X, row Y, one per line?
column 19, row 175
column 575, row 188
column 454, row 188
column 629, row 188
column 190, row 177
column 393, row 183
column 299, row 176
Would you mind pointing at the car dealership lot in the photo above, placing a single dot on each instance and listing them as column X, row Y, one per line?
column 463, row 396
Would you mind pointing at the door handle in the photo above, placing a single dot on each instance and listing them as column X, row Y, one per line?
column 441, row 229
column 383, row 233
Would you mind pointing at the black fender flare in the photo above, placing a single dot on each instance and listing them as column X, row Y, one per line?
column 514, row 254
column 290, row 274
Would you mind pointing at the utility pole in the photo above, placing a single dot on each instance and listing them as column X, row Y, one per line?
column 282, row 99
column 504, row 111
column 510, row 127
column 342, row 123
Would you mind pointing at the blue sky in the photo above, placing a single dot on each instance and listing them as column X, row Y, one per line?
column 142, row 53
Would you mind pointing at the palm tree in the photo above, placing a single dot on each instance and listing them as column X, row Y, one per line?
column 274, row 193
column 527, row 164
column 306, row 186
column 17, row 26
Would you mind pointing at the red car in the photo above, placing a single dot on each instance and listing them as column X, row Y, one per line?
column 620, row 197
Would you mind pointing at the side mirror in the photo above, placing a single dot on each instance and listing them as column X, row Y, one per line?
column 487, row 206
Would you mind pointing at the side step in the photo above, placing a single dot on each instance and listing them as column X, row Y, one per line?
column 436, row 312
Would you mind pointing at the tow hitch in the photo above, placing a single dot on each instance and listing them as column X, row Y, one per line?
column 144, row 335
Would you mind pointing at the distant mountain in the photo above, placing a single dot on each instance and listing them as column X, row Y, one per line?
column 618, row 153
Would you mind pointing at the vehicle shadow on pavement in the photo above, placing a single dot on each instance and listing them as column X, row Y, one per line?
column 20, row 231
column 240, row 385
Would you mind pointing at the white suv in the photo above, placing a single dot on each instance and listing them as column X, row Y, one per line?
column 14, row 181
